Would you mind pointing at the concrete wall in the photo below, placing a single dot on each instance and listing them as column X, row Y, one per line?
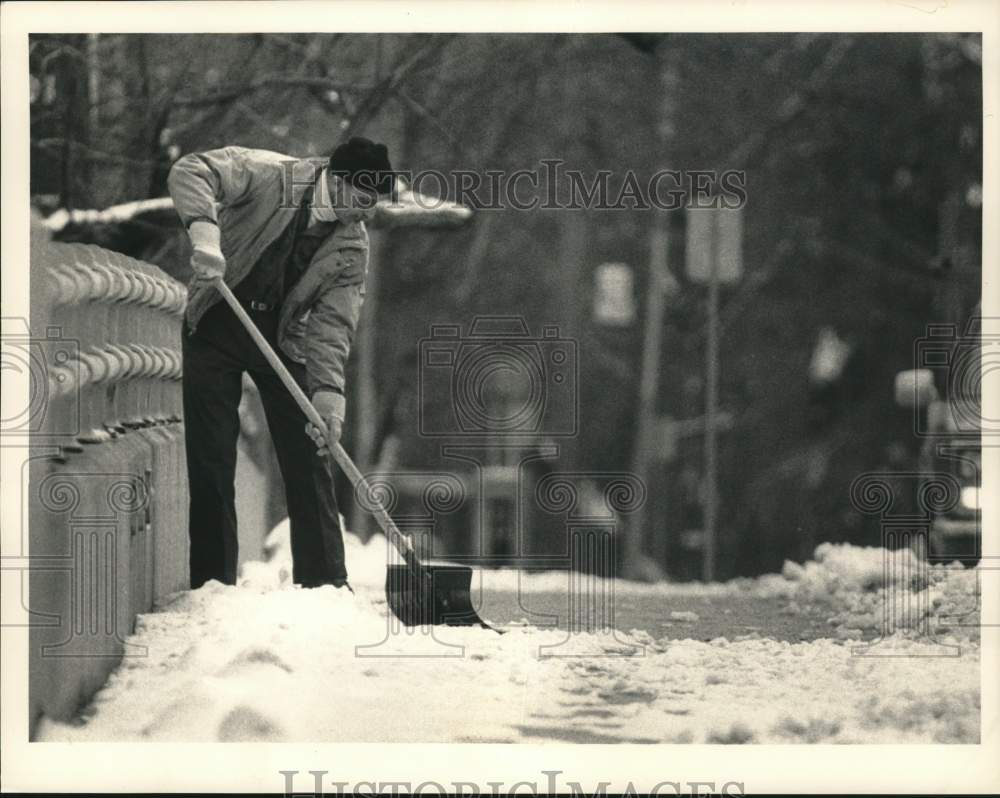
column 107, row 506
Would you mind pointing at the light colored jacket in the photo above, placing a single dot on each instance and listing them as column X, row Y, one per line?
column 253, row 195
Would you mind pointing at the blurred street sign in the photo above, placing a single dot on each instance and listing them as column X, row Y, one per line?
column 830, row 355
column 666, row 439
column 614, row 297
column 714, row 230
column 695, row 426
column 714, row 256
column 693, row 539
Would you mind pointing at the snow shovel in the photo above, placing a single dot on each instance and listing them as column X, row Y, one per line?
column 417, row 593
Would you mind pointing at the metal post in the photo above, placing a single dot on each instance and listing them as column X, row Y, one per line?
column 949, row 295
column 660, row 282
column 711, row 401
column 93, row 84
column 365, row 411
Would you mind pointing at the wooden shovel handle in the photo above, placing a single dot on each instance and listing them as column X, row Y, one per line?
column 399, row 540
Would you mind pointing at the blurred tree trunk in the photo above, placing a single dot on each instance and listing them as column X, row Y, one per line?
column 367, row 406
column 71, row 83
column 647, row 534
column 569, row 297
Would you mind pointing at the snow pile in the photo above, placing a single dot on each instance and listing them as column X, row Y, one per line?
column 838, row 567
column 877, row 590
column 859, row 591
column 268, row 661
column 366, row 562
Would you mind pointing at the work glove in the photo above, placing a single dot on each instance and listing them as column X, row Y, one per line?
column 207, row 262
column 331, row 406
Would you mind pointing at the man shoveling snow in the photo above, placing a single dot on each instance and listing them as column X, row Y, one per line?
column 288, row 237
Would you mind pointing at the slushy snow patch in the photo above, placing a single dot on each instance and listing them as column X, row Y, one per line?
column 875, row 590
column 267, row 661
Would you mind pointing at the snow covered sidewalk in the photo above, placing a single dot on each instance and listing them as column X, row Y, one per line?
column 270, row 662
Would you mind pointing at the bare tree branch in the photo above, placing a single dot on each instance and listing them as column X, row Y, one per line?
column 58, row 145
column 265, row 81
column 793, row 105
column 423, row 113
column 407, row 65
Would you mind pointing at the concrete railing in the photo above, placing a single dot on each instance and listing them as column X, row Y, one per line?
column 108, row 490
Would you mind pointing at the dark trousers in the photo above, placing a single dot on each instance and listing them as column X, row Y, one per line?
column 215, row 357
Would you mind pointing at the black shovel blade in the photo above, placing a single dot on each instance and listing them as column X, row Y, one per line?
column 423, row 594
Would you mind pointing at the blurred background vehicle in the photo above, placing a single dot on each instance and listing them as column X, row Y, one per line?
column 951, row 444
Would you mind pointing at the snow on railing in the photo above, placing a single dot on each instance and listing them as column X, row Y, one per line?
column 116, row 213
column 410, row 209
column 413, row 209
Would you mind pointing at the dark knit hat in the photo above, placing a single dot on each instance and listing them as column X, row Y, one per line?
column 364, row 165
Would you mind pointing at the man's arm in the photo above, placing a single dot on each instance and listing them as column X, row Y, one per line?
column 200, row 181
column 329, row 334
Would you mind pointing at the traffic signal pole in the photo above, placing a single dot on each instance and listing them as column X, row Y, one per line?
column 711, row 404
